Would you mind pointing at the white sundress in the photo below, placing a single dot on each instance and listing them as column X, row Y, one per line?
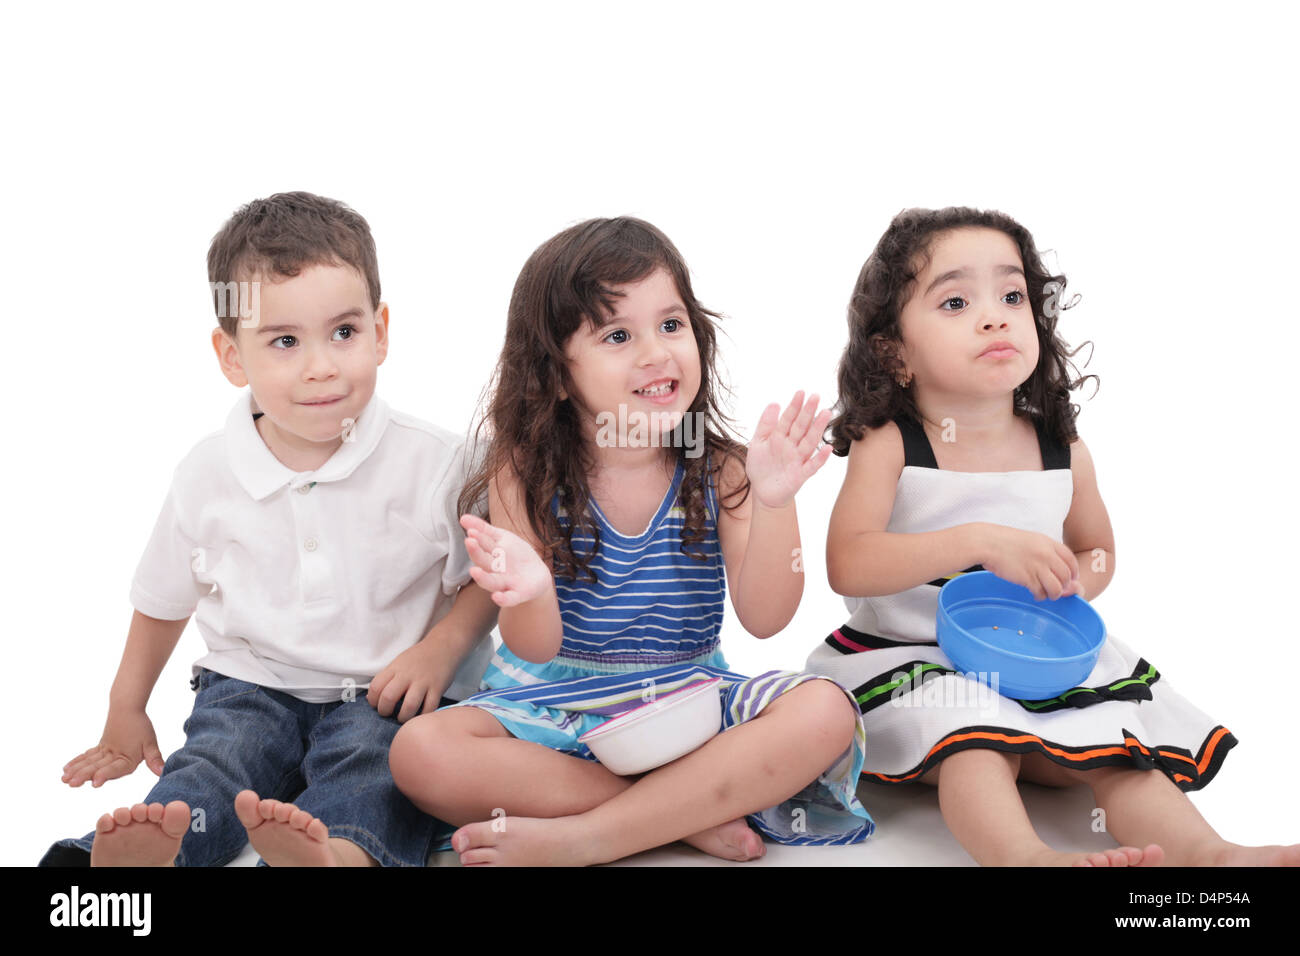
column 918, row 709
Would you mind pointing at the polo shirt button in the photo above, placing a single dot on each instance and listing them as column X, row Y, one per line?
column 303, row 489
column 310, row 544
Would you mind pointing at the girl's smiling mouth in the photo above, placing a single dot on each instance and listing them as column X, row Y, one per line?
column 660, row 392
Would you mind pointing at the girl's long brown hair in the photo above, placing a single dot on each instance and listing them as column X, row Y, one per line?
column 567, row 282
column 870, row 394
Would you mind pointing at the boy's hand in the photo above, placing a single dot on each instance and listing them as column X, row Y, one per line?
column 415, row 677
column 128, row 738
column 783, row 454
column 505, row 565
column 1046, row 567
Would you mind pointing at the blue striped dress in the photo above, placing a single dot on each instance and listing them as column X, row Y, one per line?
column 652, row 619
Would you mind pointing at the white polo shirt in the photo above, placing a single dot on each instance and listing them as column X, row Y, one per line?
column 312, row 582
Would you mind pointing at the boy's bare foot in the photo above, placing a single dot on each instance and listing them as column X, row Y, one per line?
column 523, row 841
column 282, row 834
column 146, row 834
column 730, row 841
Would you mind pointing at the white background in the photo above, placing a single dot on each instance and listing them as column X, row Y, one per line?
column 1148, row 145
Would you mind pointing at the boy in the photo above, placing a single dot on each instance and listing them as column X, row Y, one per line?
column 316, row 541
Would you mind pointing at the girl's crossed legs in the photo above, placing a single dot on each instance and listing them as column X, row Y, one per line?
column 461, row 765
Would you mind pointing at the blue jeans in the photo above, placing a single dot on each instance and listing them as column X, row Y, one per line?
column 330, row 759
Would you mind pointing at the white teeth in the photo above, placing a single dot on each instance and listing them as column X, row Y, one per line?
column 657, row 390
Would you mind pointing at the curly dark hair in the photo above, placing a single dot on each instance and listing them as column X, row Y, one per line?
column 565, row 283
column 869, row 392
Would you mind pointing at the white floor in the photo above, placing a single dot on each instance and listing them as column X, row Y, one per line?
column 909, row 832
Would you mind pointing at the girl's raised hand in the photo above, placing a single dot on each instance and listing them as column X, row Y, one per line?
column 1043, row 565
column 504, row 563
column 783, row 454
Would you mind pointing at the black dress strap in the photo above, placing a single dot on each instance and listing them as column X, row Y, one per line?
column 1055, row 454
column 917, row 450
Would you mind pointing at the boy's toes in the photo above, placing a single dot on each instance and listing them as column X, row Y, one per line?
column 284, row 835
column 302, row 820
column 144, row 834
column 277, row 810
column 173, row 818
column 246, row 808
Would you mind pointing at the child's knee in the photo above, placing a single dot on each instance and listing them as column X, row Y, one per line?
column 430, row 747
column 413, row 752
column 829, row 711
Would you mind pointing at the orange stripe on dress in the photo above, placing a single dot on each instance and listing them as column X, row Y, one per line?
column 1209, row 751
column 1130, row 742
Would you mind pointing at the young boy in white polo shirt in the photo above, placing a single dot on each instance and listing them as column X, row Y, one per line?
column 316, row 542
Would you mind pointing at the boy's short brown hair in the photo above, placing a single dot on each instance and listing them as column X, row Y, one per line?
column 281, row 235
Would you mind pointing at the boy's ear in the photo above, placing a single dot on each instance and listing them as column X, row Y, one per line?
column 381, row 333
column 228, row 356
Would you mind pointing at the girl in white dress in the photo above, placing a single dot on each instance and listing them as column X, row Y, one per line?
column 955, row 416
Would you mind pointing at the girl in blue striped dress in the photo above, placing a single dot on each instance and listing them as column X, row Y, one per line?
column 618, row 508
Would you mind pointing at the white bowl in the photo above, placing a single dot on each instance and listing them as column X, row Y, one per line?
column 660, row 731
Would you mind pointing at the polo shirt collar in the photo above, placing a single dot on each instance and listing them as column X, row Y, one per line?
column 261, row 473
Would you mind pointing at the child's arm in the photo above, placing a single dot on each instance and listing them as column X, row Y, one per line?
column 760, row 538
column 128, row 734
column 420, row 675
column 1087, row 529
column 510, row 564
column 865, row 560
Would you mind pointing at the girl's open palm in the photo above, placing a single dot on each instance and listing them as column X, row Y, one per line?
column 783, row 454
column 505, row 564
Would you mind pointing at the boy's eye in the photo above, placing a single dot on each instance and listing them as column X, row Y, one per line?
column 1016, row 297
column 611, row 337
column 341, row 334
column 672, row 325
column 950, row 300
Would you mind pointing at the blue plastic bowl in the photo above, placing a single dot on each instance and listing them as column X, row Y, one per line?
column 1036, row 649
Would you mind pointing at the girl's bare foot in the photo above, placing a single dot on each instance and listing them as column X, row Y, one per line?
column 140, row 835
column 282, row 834
column 1230, row 854
column 1152, row 855
column 1120, row 856
column 729, row 841
column 524, row 841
